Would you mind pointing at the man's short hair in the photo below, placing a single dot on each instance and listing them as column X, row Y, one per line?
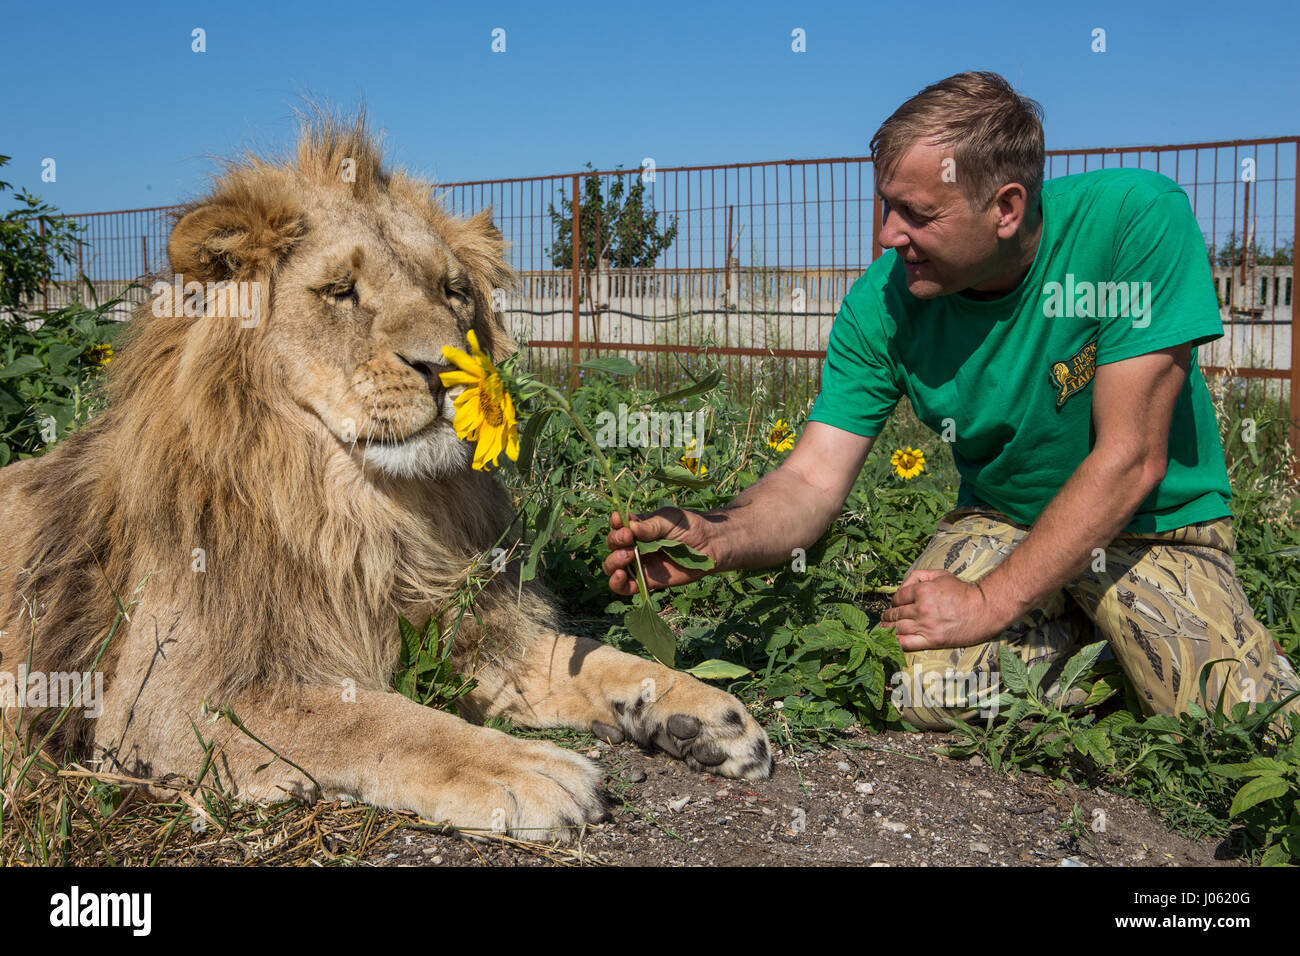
column 996, row 134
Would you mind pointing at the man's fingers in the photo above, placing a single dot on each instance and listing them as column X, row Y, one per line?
column 620, row 540
column 906, row 592
column 620, row 582
column 894, row 615
column 618, row 559
column 914, row 642
column 925, row 574
column 904, row 600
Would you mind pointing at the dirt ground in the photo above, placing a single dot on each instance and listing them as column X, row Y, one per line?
column 874, row 800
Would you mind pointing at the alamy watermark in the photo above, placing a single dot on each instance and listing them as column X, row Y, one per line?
column 56, row 689
column 636, row 429
column 1102, row 300
column 213, row 300
column 951, row 689
column 74, row 908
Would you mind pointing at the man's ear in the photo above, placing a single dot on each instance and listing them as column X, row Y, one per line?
column 233, row 236
column 479, row 246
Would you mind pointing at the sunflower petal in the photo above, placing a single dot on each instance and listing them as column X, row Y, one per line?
column 454, row 378
column 462, row 361
column 478, row 352
column 467, row 421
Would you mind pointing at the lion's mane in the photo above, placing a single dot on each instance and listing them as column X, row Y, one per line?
column 307, row 563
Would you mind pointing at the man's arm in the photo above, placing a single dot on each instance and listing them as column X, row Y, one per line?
column 788, row 508
column 1132, row 407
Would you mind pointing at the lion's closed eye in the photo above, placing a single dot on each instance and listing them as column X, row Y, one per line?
column 339, row 289
column 457, row 293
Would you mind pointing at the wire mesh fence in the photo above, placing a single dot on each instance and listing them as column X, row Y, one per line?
column 746, row 264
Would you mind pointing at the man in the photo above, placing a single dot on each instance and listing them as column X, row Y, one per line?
column 1049, row 331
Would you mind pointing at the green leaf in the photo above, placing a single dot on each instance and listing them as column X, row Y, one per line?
column 682, row 477
column 706, row 384
column 1256, row 792
column 410, row 640
column 853, row 616
column 644, row 624
column 528, row 439
column 59, row 355
column 1037, row 673
column 9, row 405
column 1079, row 665
column 1255, row 767
column 718, row 670
column 1014, row 673
column 1163, row 724
column 781, row 637
column 611, row 365
column 546, row 522
column 856, row 656
column 1276, row 855
column 1101, row 690
column 1232, row 771
column 1092, row 742
column 680, row 553
column 1204, row 678
column 22, row 365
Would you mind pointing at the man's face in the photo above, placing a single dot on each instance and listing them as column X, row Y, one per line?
column 947, row 246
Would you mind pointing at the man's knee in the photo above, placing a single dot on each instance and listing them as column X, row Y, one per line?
column 932, row 689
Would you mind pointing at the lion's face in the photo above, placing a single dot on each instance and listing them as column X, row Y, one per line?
column 366, row 288
column 361, row 312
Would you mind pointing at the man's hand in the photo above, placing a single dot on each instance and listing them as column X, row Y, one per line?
column 788, row 508
column 936, row 609
column 676, row 524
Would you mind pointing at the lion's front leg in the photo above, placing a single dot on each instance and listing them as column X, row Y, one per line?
column 386, row 750
column 566, row 681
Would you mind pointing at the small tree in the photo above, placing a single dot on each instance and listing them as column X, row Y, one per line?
column 1230, row 253
column 34, row 238
column 616, row 227
column 1283, row 254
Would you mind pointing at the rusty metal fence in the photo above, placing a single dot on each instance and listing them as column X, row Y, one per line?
column 745, row 264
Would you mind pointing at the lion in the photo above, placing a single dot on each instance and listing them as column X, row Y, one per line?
column 266, row 496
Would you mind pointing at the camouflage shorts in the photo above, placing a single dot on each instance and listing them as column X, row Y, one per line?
column 1166, row 603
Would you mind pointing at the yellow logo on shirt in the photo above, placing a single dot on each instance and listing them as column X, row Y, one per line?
column 1075, row 373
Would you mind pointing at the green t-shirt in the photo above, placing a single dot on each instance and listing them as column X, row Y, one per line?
column 1120, row 270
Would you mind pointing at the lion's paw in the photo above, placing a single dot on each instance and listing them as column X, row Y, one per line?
column 525, row 788
column 707, row 728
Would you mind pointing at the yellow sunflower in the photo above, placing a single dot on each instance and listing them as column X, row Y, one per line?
column 908, row 463
column 693, row 463
column 484, row 411
column 780, row 436
column 100, row 354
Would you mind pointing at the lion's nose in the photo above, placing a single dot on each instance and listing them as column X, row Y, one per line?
column 426, row 369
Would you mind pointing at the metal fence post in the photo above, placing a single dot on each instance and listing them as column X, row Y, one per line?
column 1295, row 324
column 45, row 283
column 875, row 218
column 575, row 236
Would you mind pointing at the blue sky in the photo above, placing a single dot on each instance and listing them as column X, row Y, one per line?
column 132, row 116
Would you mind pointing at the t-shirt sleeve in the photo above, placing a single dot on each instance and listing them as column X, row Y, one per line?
column 859, row 384
column 1161, row 263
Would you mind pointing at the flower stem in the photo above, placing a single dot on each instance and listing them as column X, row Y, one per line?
column 562, row 405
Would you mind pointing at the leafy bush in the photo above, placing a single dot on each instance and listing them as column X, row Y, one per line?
column 50, row 368
column 1187, row 766
column 34, row 238
column 1254, row 427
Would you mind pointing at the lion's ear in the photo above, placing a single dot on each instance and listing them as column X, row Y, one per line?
column 481, row 248
column 233, row 237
